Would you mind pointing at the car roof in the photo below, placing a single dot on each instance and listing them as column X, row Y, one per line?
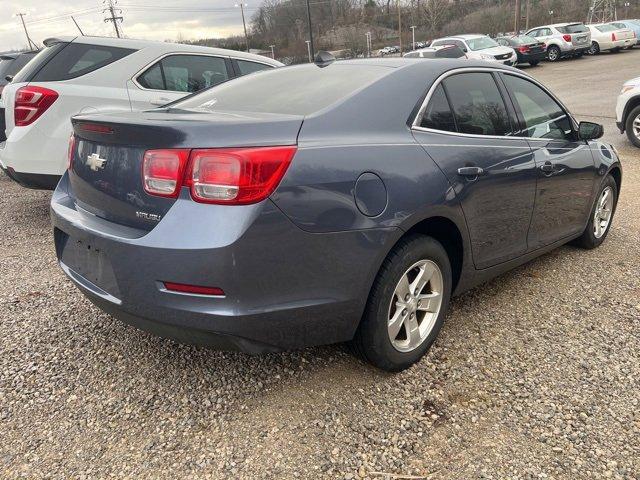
column 162, row 47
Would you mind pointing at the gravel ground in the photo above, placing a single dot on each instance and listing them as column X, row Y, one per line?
column 535, row 375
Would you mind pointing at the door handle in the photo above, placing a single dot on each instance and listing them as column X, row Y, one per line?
column 470, row 171
column 547, row 167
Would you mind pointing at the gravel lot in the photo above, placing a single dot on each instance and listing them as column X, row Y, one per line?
column 535, row 375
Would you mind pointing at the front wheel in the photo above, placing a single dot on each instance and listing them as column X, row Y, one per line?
column 601, row 215
column 553, row 53
column 632, row 126
column 407, row 305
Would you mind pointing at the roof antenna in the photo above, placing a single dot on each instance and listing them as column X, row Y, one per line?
column 323, row 59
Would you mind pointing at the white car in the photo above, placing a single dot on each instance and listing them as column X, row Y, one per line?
column 441, row 51
column 608, row 37
column 628, row 110
column 480, row 47
column 92, row 74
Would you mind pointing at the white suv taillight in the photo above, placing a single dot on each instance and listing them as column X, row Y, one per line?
column 163, row 170
column 237, row 176
column 31, row 103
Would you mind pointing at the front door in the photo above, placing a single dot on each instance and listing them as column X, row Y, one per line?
column 565, row 165
column 468, row 130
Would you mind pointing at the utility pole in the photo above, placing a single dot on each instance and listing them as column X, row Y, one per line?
column 399, row 26
column 273, row 52
column 24, row 25
column 310, row 41
column 244, row 24
column 368, row 35
column 527, row 10
column 413, row 37
column 74, row 21
column 518, row 17
column 113, row 19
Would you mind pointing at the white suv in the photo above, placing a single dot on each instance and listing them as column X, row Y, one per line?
column 563, row 39
column 628, row 110
column 92, row 74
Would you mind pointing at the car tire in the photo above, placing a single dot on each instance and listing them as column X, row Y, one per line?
column 594, row 49
column 373, row 340
column 633, row 134
column 534, row 63
column 615, row 50
column 594, row 234
column 579, row 54
column 553, row 53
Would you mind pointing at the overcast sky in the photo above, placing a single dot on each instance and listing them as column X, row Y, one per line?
column 145, row 19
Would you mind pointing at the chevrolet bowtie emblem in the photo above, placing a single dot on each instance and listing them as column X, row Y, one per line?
column 95, row 163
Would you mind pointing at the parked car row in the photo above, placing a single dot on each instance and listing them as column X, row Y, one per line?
column 92, row 74
column 261, row 212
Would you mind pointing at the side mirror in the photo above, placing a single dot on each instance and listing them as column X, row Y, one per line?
column 590, row 131
column 8, row 78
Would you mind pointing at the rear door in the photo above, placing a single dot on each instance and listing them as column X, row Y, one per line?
column 470, row 132
column 176, row 75
column 565, row 167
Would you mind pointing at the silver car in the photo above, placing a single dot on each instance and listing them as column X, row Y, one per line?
column 563, row 39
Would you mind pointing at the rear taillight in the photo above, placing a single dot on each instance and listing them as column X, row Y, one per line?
column 237, row 176
column 163, row 170
column 31, row 103
column 567, row 38
column 613, row 37
column 71, row 151
column 524, row 49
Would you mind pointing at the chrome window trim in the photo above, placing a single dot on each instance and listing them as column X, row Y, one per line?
column 135, row 76
column 415, row 125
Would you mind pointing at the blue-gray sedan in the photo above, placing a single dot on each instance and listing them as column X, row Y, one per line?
column 314, row 204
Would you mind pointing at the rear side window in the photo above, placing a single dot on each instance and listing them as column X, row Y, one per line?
column 573, row 28
column 438, row 115
column 477, row 104
column 246, row 67
column 77, row 59
column 40, row 60
column 185, row 73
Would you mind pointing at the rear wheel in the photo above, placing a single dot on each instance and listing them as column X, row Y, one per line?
column 594, row 49
column 632, row 126
column 553, row 53
column 407, row 305
column 601, row 215
column 579, row 54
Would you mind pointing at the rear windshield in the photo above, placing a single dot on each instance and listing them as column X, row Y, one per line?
column 64, row 61
column 607, row 28
column 78, row 59
column 573, row 28
column 524, row 40
column 298, row 90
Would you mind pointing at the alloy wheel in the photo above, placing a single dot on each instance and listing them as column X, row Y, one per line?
column 636, row 127
column 553, row 54
column 602, row 215
column 415, row 305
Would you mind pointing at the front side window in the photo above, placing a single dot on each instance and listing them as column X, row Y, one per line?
column 438, row 115
column 477, row 104
column 185, row 73
column 543, row 117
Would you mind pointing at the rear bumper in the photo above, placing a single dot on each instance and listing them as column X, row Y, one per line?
column 32, row 180
column 531, row 57
column 284, row 288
